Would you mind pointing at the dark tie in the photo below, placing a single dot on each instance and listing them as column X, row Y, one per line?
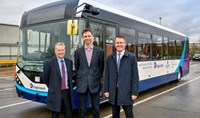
column 118, row 61
column 63, row 76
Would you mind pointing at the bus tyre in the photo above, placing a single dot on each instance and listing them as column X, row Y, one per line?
column 179, row 76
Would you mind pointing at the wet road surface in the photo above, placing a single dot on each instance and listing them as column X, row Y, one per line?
column 173, row 100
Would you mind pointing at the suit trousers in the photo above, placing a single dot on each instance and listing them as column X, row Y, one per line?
column 94, row 98
column 128, row 109
column 66, row 107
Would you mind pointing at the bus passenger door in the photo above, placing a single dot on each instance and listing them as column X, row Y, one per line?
column 104, row 36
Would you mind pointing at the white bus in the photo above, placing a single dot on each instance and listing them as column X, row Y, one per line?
column 162, row 53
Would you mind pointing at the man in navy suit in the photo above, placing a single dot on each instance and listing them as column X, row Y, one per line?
column 89, row 65
column 121, row 79
column 57, row 75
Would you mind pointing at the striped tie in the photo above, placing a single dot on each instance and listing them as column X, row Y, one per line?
column 63, row 76
column 118, row 62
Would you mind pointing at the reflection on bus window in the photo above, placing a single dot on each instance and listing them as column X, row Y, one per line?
column 179, row 48
column 157, row 48
column 143, row 47
column 165, row 48
column 110, row 37
column 144, row 51
column 129, row 35
column 97, row 32
column 172, row 49
column 76, row 40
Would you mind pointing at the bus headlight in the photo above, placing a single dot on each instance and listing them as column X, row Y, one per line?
column 37, row 79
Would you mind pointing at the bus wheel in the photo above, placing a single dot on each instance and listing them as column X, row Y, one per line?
column 179, row 76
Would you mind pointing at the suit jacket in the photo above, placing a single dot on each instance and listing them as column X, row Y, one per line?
column 53, row 80
column 127, row 78
column 89, row 76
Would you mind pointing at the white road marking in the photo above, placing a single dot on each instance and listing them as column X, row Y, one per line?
column 142, row 101
column 6, row 77
column 192, row 66
column 15, row 104
column 110, row 115
column 7, row 89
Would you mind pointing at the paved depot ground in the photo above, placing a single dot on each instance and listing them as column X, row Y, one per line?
column 182, row 102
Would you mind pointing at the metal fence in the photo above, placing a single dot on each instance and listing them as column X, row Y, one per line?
column 8, row 54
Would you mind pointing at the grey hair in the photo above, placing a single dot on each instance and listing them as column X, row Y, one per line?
column 59, row 43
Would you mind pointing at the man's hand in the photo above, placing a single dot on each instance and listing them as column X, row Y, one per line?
column 133, row 97
column 106, row 94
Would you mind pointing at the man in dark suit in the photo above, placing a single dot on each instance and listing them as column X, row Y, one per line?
column 121, row 79
column 57, row 75
column 89, row 65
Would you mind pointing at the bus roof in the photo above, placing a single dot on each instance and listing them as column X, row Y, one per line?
column 64, row 9
column 116, row 11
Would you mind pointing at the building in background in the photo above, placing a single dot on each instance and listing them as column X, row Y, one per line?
column 9, row 36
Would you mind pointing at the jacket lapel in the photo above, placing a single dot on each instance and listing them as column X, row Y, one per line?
column 114, row 59
column 55, row 62
column 126, row 53
column 83, row 54
column 67, row 66
column 93, row 55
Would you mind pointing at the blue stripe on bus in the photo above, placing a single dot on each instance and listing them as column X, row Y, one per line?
column 182, row 56
column 156, row 81
column 74, row 88
column 31, row 91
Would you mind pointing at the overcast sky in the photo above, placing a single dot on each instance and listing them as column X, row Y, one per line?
column 179, row 15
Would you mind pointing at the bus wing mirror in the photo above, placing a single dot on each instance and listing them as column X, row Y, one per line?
column 91, row 9
column 72, row 27
column 95, row 11
column 28, row 36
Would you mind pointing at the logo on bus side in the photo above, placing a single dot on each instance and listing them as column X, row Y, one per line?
column 158, row 65
column 167, row 65
column 31, row 85
column 36, row 87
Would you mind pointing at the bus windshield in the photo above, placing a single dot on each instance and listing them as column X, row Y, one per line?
column 37, row 42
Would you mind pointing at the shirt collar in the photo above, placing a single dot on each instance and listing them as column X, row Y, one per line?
column 90, row 47
column 122, row 53
column 59, row 60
